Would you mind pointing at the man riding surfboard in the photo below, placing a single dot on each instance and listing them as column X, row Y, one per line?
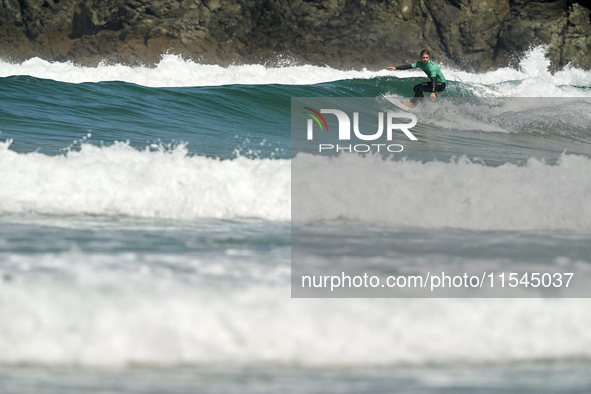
column 437, row 83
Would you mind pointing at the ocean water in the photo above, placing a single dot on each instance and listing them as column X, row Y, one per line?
column 145, row 233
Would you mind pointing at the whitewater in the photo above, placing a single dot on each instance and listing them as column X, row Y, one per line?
column 174, row 71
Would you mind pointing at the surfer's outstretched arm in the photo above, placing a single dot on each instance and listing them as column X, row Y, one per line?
column 403, row 67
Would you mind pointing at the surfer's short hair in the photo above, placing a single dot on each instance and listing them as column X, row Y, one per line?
column 425, row 51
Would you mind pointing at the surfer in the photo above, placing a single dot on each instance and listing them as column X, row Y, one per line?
column 437, row 83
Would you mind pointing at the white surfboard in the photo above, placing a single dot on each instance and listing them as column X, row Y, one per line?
column 397, row 102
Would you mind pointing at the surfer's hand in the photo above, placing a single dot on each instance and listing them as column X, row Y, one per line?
column 433, row 97
column 391, row 68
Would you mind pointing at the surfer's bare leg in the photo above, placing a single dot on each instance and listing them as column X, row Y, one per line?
column 407, row 103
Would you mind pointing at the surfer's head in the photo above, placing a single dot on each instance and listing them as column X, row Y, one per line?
column 425, row 56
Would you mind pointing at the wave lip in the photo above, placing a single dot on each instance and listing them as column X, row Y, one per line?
column 120, row 180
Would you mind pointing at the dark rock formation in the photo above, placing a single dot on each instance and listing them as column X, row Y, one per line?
column 364, row 33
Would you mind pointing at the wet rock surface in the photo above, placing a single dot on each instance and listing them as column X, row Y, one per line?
column 469, row 34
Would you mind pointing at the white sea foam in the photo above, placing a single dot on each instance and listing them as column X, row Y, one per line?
column 457, row 194
column 544, row 115
column 532, row 79
column 120, row 180
column 174, row 71
column 108, row 319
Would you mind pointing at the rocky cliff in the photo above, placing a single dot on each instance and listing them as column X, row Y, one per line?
column 362, row 33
